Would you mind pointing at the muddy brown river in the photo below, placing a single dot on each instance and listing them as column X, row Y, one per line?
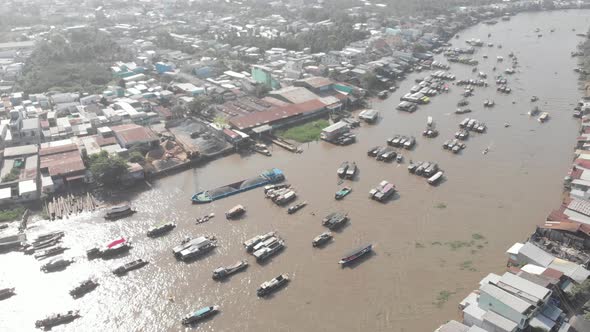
column 432, row 244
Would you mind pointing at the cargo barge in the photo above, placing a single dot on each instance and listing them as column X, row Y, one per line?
column 272, row 175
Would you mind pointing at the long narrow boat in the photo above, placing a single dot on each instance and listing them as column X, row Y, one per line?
column 200, row 315
column 294, row 208
column 272, row 175
column 226, row 271
column 356, row 254
column 57, row 319
column 272, row 285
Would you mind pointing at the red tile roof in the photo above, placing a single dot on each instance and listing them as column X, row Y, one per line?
column 278, row 113
column 129, row 134
column 552, row 273
column 583, row 163
column 58, row 149
column 64, row 163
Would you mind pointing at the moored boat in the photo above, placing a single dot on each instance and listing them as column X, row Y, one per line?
column 321, row 239
column 200, row 315
column 6, row 293
column 120, row 211
column 193, row 248
column 50, row 252
column 57, row 319
column 544, row 117
column 335, row 220
column 294, row 208
column 272, row 285
column 351, row 171
column 436, row 178
column 251, row 243
column 355, row 254
column 84, row 288
column 273, row 175
column 342, row 169
column 226, row 271
column 161, row 229
column 56, row 264
column 130, row 266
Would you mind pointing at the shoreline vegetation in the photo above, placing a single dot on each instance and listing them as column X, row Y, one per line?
column 11, row 214
column 304, row 133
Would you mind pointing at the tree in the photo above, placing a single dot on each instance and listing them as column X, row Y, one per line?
column 107, row 169
column 136, row 157
column 370, row 81
column 199, row 104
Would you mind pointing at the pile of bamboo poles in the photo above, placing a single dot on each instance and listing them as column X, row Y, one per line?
column 63, row 206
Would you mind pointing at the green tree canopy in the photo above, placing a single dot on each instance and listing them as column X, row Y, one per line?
column 107, row 169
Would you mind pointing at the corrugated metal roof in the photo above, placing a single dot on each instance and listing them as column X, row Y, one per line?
column 499, row 321
column 580, row 206
column 576, row 272
column 524, row 286
column 515, row 303
column 23, row 150
column 536, row 254
column 63, row 163
column 452, row 326
column 278, row 113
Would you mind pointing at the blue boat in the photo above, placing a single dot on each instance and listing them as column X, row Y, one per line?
column 272, row 175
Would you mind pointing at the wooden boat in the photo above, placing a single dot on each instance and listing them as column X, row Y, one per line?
column 351, row 171
column 435, row 179
column 321, row 239
column 342, row 169
column 235, row 212
column 161, row 229
column 355, row 254
column 205, row 218
column 57, row 319
column 340, row 194
column 83, row 288
column 56, row 264
column 294, row 208
column 226, row 271
column 6, row 293
column 200, row 315
column 272, row 285
column 120, row 211
column 130, row 266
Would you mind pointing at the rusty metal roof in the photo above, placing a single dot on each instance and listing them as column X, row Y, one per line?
column 260, row 118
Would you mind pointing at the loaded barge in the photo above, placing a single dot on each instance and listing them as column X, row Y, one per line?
column 272, row 175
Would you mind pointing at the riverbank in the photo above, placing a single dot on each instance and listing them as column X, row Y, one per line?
column 555, row 257
column 421, row 238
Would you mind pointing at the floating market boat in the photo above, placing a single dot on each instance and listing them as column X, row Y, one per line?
column 251, row 243
column 190, row 248
column 226, row 271
column 161, row 229
column 356, row 254
column 335, row 220
column 50, row 252
column 118, row 212
column 351, row 171
column 130, row 266
column 435, row 179
column 544, row 117
column 200, row 315
column 321, row 239
column 116, row 247
column 271, row 247
column 340, row 194
column 272, row 285
column 6, row 293
column 294, row 208
column 205, row 218
column 84, row 288
column 341, row 171
column 235, row 212
column 57, row 319
column 56, row 264
column 272, row 175
column 382, row 192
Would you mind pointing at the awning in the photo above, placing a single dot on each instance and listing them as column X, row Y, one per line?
column 74, row 177
column 262, row 129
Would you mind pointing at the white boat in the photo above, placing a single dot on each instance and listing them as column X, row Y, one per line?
column 544, row 117
column 433, row 180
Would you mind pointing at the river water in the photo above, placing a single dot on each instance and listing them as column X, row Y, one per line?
column 424, row 238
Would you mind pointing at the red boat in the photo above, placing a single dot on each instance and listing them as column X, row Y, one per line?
column 116, row 242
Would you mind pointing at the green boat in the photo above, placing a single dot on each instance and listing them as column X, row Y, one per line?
column 340, row 194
